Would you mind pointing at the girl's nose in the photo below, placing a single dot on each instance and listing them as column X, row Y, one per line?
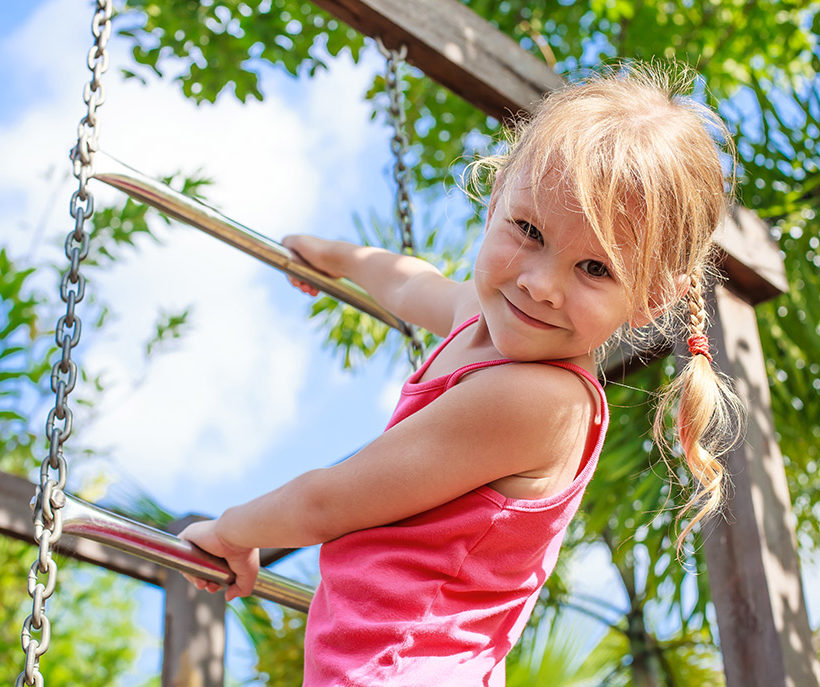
column 543, row 284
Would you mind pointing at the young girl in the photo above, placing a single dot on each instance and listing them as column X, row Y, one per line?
column 439, row 534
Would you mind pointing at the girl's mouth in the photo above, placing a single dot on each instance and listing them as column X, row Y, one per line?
column 526, row 319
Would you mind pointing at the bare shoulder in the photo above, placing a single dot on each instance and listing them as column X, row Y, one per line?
column 545, row 412
column 554, row 412
column 538, row 381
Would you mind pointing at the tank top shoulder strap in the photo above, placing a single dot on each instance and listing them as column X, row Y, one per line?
column 460, row 329
column 456, row 375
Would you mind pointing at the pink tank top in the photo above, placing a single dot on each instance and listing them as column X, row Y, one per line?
column 441, row 597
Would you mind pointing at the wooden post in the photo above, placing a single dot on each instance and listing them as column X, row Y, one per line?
column 194, row 638
column 752, row 552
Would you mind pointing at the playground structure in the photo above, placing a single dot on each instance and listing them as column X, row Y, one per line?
column 751, row 554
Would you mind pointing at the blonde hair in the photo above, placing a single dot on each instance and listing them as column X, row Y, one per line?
column 643, row 162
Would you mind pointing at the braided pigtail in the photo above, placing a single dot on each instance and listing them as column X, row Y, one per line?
column 707, row 413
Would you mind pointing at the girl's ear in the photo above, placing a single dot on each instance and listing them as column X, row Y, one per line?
column 657, row 305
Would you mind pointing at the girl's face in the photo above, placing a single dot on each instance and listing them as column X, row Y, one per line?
column 546, row 287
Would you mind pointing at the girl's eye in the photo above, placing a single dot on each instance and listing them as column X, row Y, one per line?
column 529, row 231
column 594, row 268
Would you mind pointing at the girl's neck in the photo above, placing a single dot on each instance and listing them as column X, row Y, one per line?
column 479, row 342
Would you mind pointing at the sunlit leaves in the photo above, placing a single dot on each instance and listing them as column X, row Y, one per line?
column 213, row 47
column 22, row 370
column 277, row 636
column 168, row 327
column 94, row 638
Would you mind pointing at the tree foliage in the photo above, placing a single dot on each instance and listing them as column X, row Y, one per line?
column 94, row 636
column 277, row 636
column 780, row 179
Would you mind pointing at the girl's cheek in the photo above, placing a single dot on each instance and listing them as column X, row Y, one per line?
column 491, row 261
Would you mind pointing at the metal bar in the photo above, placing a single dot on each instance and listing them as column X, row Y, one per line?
column 197, row 214
column 85, row 520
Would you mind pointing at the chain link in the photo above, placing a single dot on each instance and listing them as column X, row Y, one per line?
column 401, row 174
column 49, row 498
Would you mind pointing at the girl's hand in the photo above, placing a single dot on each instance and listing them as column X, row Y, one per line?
column 242, row 561
column 310, row 251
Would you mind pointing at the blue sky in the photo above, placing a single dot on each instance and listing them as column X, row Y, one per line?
column 249, row 398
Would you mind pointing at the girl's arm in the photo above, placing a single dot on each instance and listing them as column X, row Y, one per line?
column 410, row 288
column 499, row 422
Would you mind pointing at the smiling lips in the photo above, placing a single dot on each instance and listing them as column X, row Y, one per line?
column 526, row 319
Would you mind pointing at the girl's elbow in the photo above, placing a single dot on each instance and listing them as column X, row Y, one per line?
column 319, row 513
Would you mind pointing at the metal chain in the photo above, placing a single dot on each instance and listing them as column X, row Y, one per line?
column 49, row 498
column 399, row 145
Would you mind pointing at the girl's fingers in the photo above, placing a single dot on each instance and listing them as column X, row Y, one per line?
column 196, row 581
column 202, row 584
column 304, row 286
column 242, row 561
column 246, row 568
column 293, row 243
column 242, row 586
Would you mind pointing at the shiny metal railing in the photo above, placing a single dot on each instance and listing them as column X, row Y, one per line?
column 197, row 214
column 85, row 520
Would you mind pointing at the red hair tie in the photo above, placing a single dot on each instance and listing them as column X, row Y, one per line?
column 699, row 345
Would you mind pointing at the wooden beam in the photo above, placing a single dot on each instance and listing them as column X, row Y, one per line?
column 750, row 256
column 454, row 46
column 751, row 551
column 15, row 521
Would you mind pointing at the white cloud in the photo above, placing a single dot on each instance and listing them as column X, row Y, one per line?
column 210, row 407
